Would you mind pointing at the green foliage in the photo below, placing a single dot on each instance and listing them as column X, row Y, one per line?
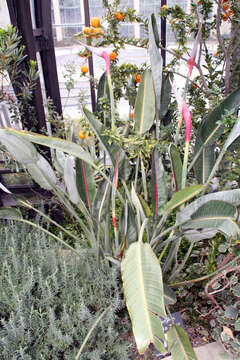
column 49, row 300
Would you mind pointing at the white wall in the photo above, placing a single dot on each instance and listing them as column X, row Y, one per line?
column 4, row 15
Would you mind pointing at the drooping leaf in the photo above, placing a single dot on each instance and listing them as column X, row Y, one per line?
column 215, row 214
column 8, row 213
column 233, row 136
column 156, row 61
column 85, row 182
column 230, row 196
column 209, row 131
column 22, row 150
column 176, row 164
column 145, row 104
column 53, row 143
column 182, row 196
column 143, row 289
column 179, row 344
column 158, row 183
column 111, row 150
column 154, row 24
column 42, row 172
column 70, row 180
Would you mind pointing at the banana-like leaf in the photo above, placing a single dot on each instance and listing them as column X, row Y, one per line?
column 111, row 150
column 59, row 161
column 169, row 295
column 179, row 344
column 154, row 24
column 233, row 136
column 182, row 196
column 8, row 213
column 230, row 196
column 85, row 182
column 143, row 289
column 22, row 150
column 53, row 143
column 103, row 93
column 165, row 95
column 176, row 164
column 209, row 131
column 42, row 172
column 70, row 180
column 158, row 183
column 156, row 62
column 216, row 214
column 145, row 104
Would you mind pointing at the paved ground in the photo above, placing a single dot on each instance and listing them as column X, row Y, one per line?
column 213, row 351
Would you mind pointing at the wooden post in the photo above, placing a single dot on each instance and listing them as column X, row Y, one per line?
column 47, row 52
column 20, row 15
column 90, row 59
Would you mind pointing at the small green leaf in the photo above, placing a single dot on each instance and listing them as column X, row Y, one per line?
column 179, row 344
column 182, row 196
column 231, row 312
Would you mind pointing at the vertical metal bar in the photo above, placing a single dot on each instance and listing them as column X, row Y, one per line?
column 163, row 34
column 90, row 59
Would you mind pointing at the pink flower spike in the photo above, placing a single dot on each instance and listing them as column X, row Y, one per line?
column 105, row 56
column 101, row 53
column 184, row 110
column 191, row 61
column 187, row 117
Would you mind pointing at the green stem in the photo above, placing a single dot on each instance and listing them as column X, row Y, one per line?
column 185, row 162
column 144, row 179
column 136, row 173
column 90, row 332
column 111, row 102
column 182, row 283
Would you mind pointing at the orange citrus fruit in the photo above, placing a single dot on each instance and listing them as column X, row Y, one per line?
column 138, row 78
column 95, row 22
column 119, row 15
column 84, row 69
column 131, row 115
column 164, row 7
column 81, row 134
column 112, row 56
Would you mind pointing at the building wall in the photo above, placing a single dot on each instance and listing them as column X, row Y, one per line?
column 4, row 15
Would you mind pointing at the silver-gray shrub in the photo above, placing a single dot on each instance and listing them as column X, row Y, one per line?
column 49, row 299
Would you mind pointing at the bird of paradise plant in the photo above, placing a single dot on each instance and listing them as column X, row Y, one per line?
column 138, row 236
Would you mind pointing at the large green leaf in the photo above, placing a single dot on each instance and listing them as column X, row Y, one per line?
column 215, row 214
column 143, row 289
column 85, row 182
column 128, row 225
column 176, row 164
column 145, row 104
column 156, row 62
column 182, row 196
column 8, row 213
column 158, row 183
column 209, row 131
column 179, row 344
column 111, row 150
column 42, row 173
column 22, row 150
column 230, row 196
column 169, row 295
column 53, row 143
column 101, row 202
